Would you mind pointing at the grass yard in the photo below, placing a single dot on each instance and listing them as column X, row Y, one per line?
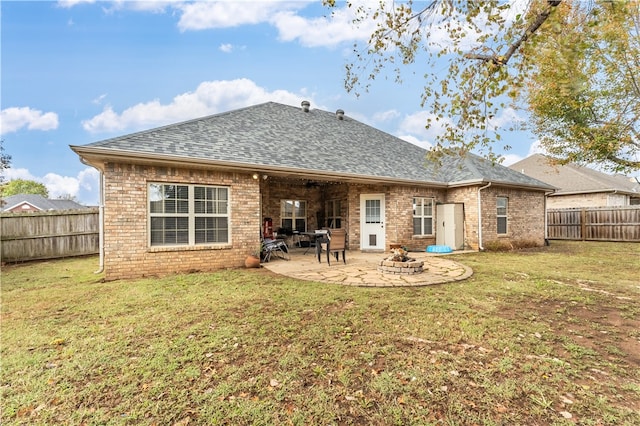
column 549, row 336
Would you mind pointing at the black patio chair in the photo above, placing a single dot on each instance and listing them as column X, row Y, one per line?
column 277, row 248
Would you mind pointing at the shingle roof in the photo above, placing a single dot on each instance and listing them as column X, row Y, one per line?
column 282, row 136
column 572, row 178
column 40, row 202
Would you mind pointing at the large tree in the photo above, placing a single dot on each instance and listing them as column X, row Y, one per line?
column 573, row 66
column 5, row 161
column 24, row 186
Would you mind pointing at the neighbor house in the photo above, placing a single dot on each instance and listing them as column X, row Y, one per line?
column 29, row 203
column 579, row 186
column 195, row 195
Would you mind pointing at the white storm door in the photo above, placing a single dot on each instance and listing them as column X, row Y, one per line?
column 372, row 222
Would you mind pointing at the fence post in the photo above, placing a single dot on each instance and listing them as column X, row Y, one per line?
column 583, row 224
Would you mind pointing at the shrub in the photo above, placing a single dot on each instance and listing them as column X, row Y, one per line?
column 509, row 245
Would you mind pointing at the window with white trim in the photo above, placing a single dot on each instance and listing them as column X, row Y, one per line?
column 188, row 214
column 423, row 216
column 502, row 204
column 293, row 215
column 334, row 218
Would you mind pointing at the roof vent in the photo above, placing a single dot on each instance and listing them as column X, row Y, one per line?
column 340, row 114
column 305, row 106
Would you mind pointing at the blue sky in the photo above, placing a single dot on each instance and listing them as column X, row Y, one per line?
column 76, row 72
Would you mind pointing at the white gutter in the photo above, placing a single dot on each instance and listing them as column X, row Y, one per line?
column 101, row 225
column 100, row 218
column 480, row 247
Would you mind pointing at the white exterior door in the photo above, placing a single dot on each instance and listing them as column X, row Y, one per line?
column 450, row 226
column 372, row 222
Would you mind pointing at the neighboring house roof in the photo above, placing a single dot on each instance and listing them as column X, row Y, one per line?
column 574, row 179
column 286, row 139
column 39, row 202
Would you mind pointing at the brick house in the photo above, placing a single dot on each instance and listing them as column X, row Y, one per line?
column 195, row 195
column 30, row 203
column 579, row 186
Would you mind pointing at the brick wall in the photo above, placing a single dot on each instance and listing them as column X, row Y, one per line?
column 24, row 208
column 398, row 214
column 126, row 248
column 525, row 214
column 128, row 254
column 469, row 197
column 597, row 199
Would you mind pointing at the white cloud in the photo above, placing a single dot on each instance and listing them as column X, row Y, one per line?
column 534, row 148
column 283, row 15
column 439, row 34
column 68, row 4
column 537, row 148
column 154, row 6
column 209, row 98
column 207, row 15
column 13, row 119
column 13, row 173
column 60, row 185
column 226, row 48
column 99, row 99
column 510, row 159
column 384, row 116
column 322, row 31
column 415, row 124
column 421, row 143
column 84, row 187
column 508, row 118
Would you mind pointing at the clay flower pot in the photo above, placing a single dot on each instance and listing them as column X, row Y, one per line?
column 252, row 262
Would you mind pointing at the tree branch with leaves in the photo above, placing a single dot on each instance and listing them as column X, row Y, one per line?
column 572, row 67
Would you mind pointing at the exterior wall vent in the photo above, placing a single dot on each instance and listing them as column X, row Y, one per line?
column 305, row 106
column 340, row 114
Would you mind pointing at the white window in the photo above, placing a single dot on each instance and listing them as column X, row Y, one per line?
column 293, row 215
column 423, row 216
column 188, row 214
column 334, row 218
column 502, row 204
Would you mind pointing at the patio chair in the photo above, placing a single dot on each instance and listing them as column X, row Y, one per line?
column 337, row 243
column 276, row 248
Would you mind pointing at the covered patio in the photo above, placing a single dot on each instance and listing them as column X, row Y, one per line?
column 361, row 269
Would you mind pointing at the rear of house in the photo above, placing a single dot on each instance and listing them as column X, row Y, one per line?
column 199, row 195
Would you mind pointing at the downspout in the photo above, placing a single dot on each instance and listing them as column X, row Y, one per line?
column 101, row 225
column 480, row 247
column 100, row 218
column 546, row 220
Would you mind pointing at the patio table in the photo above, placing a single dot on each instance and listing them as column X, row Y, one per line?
column 317, row 238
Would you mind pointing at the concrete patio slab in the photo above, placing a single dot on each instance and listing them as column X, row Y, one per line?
column 361, row 269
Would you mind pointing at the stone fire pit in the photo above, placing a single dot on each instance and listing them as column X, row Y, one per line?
column 400, row 263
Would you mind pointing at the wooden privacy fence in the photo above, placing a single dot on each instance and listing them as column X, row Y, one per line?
column 596, row 224
column 49, row 235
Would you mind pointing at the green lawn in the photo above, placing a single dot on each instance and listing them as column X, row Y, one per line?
column 537, row 337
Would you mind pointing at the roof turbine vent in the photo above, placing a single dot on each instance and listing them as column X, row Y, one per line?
column 340, row 114
column 305, row 106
